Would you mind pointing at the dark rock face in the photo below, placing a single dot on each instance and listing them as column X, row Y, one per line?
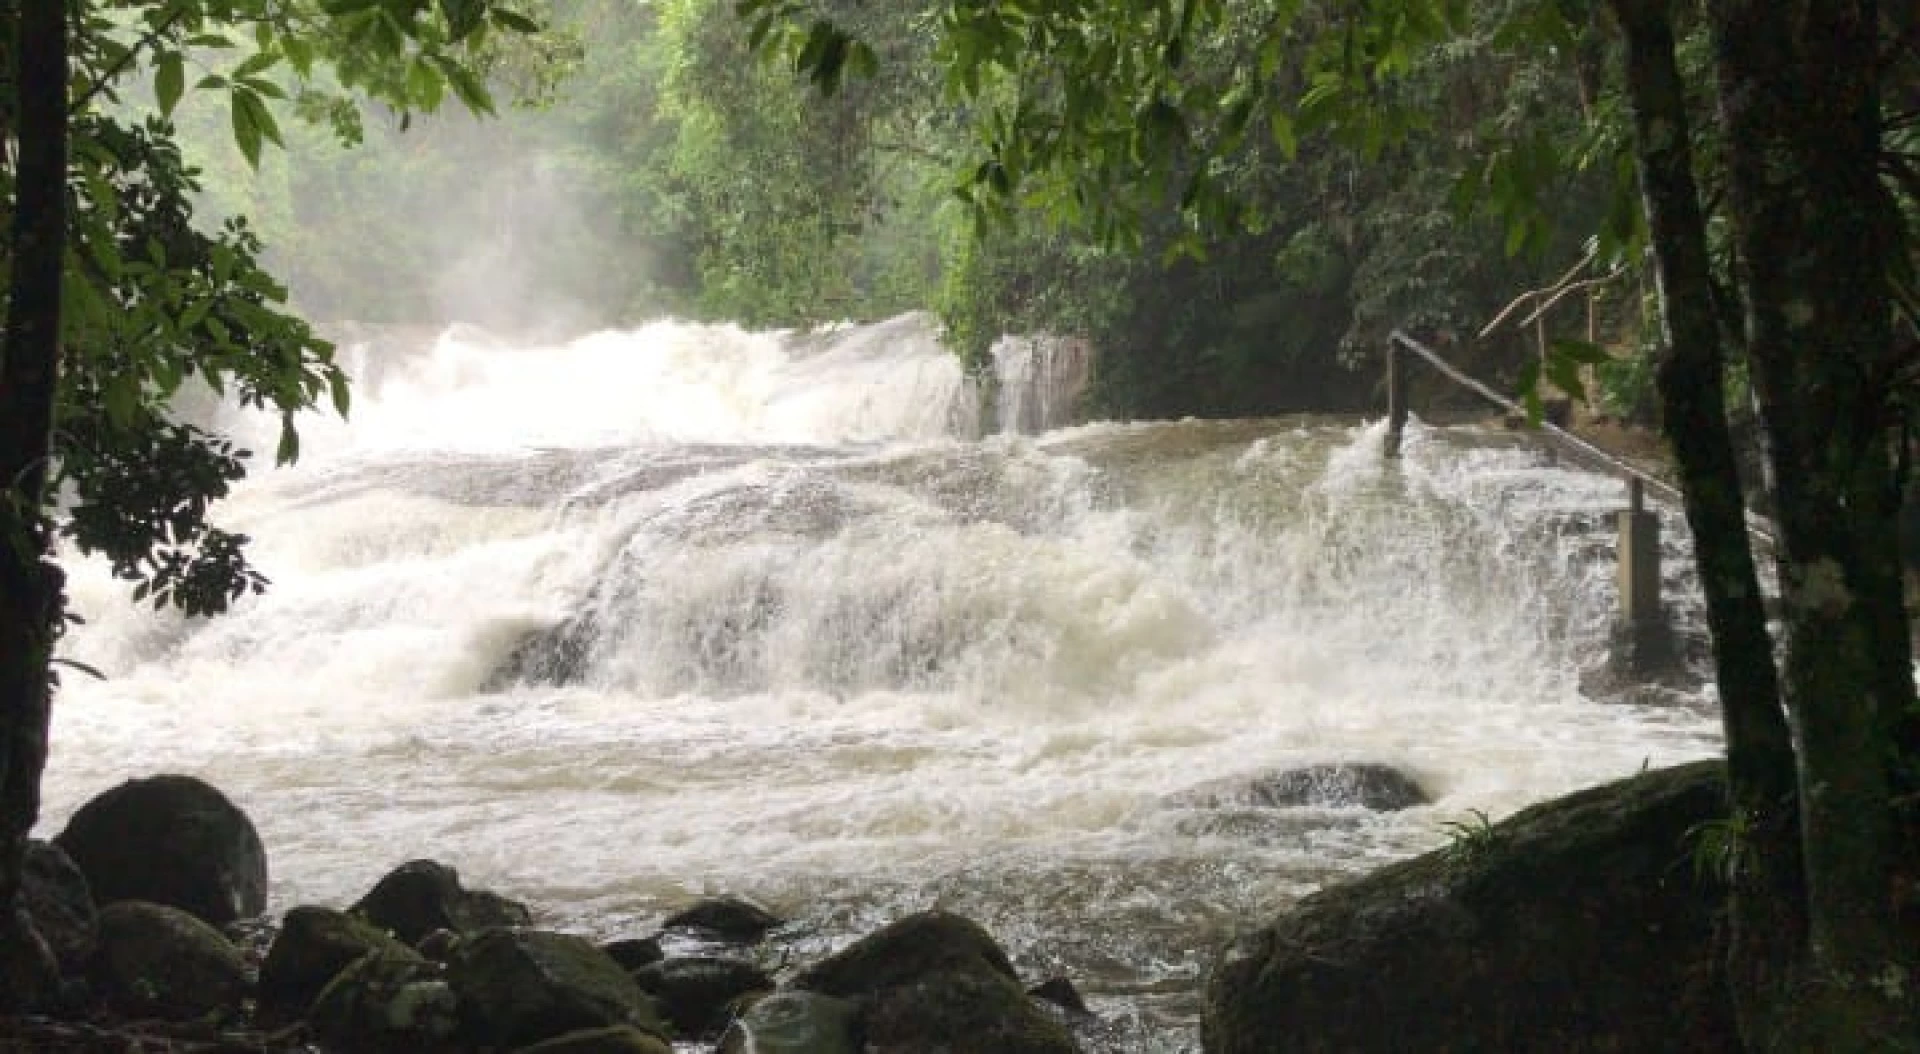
column 60, row 903
column 524, row 986
column 388, row 1005
column 698, row 994
column 153, row 960
column 936, row 981
column 313, row 946
column 601, row 1041
column 795, row 1022
column 421, row 896
column 724, row 918
column 170, row 840
column 1062, row 993
column 1576, row 925
column 1368, row 786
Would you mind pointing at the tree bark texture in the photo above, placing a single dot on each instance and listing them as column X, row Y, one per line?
column 30, row 585
column 1799, row 103
column 1768, row 922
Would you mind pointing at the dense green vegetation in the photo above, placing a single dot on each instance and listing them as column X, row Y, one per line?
column 651, row 165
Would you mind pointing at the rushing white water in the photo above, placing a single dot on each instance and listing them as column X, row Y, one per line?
column 690, row 609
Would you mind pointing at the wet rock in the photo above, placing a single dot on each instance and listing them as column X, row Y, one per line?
column 1576, row 925
column 620, row 1040
column 421, row 896
column 171, row 840
column 29, row 971
column 387, row 1003
column 524, row 986
column 794, row 1022
column 698, row 995
column 313, row 946
column 556, row 655
column 153, row 960
column 1062, row 993
column 1365, row 785
column 730, row 919
column 634, row 952
column 57, row 897
column 936, row 981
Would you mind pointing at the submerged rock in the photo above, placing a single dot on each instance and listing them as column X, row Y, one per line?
column 634, row 952
column 794, row 1022
column 171, row 840
column 729, row 919
column 387, row 1003
column 699, row 994
column 936, row 981
column 56, row 896
column 524, row 986
column 619, row 1040
column 153, row 960
column 422, row 896
column 314, row 944
column 1576, row 925
column 1365, row 785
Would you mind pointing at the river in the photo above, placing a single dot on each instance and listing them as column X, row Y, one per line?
column 611, row 623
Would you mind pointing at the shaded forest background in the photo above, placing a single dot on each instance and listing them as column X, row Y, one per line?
column 646, row 163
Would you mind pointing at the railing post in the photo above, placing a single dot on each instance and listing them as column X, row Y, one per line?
column 1643, row 642
column 1396, row 398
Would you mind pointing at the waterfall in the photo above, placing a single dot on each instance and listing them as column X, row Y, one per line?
column 609, row 622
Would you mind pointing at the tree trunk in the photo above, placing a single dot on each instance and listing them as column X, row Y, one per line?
column 1766, row 903
column 30, row 585
column 1800, row 104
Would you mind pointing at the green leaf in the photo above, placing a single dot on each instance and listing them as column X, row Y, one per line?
column 463, row 17
column 337, row 388
column 169, row 81
column 514, row 21
column 289, row 449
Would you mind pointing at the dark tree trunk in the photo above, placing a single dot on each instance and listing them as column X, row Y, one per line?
column 1767, row 904
column 1799, row 101
column 30, row 585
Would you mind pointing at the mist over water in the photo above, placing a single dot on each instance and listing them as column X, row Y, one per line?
column 821, row 651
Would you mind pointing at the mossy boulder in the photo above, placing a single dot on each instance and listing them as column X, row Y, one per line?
column 422, row 896
column 172, row 840
column 314, row 944
column 617, row 1040
column 699, row 994
column 56, row 895
column 936, row 981
column 153, row 960
column 795, row 1022
column 634, row 952
column 524, row 986
column 1576, row 925
column 387, row 1003
column 729, row 919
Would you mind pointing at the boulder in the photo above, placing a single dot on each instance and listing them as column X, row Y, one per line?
column 438, row 945
column 729, row 919
column 794, row 1022
column 1576, row 925
column 1365, row 785
column 171, row 840
column 153, row 960
column 1063, row 993
column 57, row 897
column 634, row 952
column 387, row 1003
column 936, row 981
column 421, row 896
column 29, row 971
column 619, row 1040
column 313, row 946
column 524, row 986
column 698, row 995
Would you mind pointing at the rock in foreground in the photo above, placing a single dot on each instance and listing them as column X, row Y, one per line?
column 421, row 896
column 1576, row 925
column 171, row 840
column 1364, row 785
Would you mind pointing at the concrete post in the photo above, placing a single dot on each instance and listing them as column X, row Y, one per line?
column 1643, row 642
column 1396, row 399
